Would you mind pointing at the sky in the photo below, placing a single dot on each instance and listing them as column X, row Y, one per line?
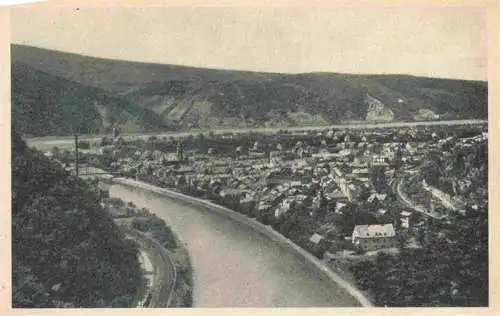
column 449, row 42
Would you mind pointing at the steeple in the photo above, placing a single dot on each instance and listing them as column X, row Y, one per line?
column 180, row 151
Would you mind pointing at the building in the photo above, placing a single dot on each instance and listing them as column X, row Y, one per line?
column 316, row 238
column 280, row 176
column 373, row 237
column 347, row 188
column 318, row 243
column 380, row 160
column 405, row 219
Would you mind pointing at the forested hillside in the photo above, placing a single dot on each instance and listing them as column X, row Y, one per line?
column 43, row 104
column 66, row 250
column 55, row 93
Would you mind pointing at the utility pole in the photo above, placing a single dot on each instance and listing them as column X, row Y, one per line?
column 76, row 156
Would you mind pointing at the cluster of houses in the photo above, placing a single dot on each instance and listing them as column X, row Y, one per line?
column 271, row 184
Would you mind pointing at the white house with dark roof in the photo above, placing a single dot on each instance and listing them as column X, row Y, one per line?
column 405, row 219
column 373, row 237
column 316, row 238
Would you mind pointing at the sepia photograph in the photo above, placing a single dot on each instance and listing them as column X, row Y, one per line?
column 264, row 157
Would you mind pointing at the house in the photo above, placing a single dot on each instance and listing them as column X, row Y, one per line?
column 248, row 203
column 230, row 193
column 280, row 176
column 405, row 219
column 183, row 170
column 379, row 160
column 338, row 207
column 337, row 196
column 373, row 237
column 381, row 212
column 106, row 150
column 316, row 239
column 374, row 197
column 318, row 243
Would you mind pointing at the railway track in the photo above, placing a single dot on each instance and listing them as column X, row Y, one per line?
column 165, row 275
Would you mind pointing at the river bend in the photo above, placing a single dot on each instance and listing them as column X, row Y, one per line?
column 235, row 266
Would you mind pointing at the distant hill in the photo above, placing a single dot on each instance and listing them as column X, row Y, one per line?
column 55, row 93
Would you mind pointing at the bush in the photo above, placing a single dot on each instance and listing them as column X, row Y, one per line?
column 84, row 145
column 123, row 301
column 158, row 229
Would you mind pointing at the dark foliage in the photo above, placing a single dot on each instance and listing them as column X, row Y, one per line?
column 463, row 163
column 158, row 229
column 66, row 249
column 449, row 272
column 452, row 268
column 44, row 104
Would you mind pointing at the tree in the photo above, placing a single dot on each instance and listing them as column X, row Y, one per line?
column 84, row 144
column 120, row 141
column 65, row 156
column 378, row 178
column 431, row 172
column 56, row 152
column 200, row 142
column 116, row 132
column 122, row 301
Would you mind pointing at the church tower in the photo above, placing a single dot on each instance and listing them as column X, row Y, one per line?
column 180, row 151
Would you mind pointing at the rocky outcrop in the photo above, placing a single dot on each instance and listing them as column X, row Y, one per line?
column 377, row 111
column 425, row 115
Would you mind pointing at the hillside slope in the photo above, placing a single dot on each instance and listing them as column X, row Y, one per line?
column 66, row 250
column 177, row 97
column 44, row 104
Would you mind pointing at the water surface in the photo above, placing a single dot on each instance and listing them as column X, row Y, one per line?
column 234, row 266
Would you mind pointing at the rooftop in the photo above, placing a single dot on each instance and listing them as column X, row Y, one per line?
column 316, row 238
column 368, row 231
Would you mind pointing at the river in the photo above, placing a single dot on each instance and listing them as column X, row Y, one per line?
column 235, row 266
column 67, row 142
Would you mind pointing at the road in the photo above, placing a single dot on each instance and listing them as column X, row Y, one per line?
column 45, row 143
column 409, row 203
column 163, row 268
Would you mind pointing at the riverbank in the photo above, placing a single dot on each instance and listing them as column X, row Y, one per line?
column 169, row 276
column 47, row 142
column 159, row 292
column 271, row 234
column 148, row 272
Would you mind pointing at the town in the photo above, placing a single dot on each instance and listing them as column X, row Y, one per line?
column 309, row 185
column 343, row 195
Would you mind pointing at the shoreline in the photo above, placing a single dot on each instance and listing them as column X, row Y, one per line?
column 147, row 267
column 156, row 290
column 362, row 125
column 166, row 270
column 269, row 232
